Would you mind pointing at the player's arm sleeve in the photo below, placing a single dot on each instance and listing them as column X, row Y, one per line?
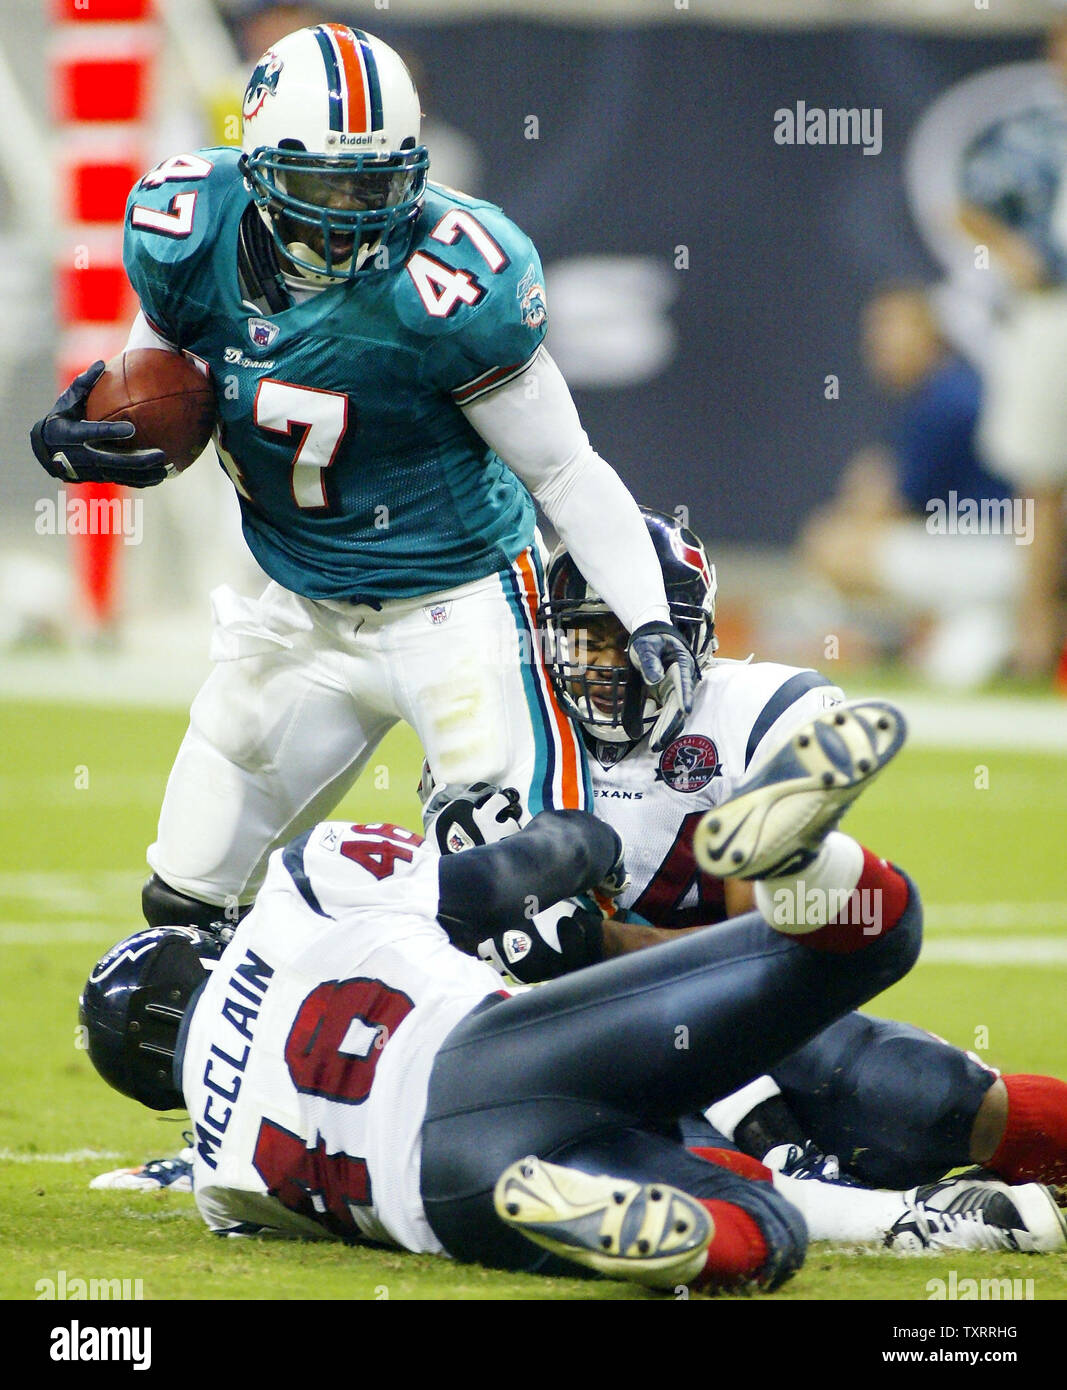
column 558, row 855
column 539, row 436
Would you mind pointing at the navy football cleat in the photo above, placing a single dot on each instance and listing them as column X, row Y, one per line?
column 781, row 812
column 648, row 1233
column 806, row 1161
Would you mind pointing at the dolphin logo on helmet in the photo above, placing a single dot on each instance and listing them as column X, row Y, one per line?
column 331, row 152
column 262, row 84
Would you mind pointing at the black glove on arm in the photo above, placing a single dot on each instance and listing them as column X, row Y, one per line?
column 477, row 815
column 568, row 936
column 75, row 450
column 497, row 886
column 658, row 652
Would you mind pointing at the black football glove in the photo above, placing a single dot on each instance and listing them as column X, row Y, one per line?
column 470, row 816
column 74, row 449
column 557, row 940
column 659, row 654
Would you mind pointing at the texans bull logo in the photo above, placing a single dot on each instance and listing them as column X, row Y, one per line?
column 135, row 946
column 689, row 763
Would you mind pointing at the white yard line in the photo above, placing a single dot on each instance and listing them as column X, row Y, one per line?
column 73, row 1156
column 1037, row 724
column 115, row 898
column 102, row 929
column 993, row 916
column 164, row 662
column 44, row 883
column 45, row 908
column 980, row 951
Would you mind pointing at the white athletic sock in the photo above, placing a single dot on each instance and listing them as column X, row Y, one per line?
column 727, row 1114
column 811, row 897
column 847, row 1215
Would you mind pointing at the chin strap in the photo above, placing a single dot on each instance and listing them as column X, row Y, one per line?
column 257, row 265
column 301, row 250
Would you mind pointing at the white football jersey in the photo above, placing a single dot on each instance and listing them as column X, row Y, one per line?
column 742, row 712
column 309, row 1052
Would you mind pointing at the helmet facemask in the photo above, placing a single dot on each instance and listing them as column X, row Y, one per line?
column 591, row 672
column 330, row 217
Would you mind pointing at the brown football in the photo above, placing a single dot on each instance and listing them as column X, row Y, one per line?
column 169, row 403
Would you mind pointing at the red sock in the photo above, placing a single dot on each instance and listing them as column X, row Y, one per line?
column 741, row 1164
column 874, row 907
column 737, row 1251
column 1034, row 1147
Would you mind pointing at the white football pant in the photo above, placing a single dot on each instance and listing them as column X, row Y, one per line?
column 303, row 692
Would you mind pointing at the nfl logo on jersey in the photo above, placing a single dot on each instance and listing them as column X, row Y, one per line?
column 262, row 332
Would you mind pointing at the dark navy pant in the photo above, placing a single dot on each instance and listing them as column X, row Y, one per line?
column 895, row 1104
column 594, row 1070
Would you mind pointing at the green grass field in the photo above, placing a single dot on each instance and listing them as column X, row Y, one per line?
column 81, row 791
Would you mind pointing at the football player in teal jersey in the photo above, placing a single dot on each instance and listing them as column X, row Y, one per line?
column 387, row 413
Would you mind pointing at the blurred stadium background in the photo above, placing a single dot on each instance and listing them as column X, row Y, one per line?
column 707, row 291
column 707, row 283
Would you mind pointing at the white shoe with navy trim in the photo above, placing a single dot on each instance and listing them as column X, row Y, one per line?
column 782, row 811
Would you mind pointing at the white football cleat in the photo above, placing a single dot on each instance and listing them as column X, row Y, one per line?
column 781, row 812
column 960, row 1214
column 649, row 1233
column 175, row 1174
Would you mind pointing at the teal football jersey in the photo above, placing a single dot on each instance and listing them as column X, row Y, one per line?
column 339, row 417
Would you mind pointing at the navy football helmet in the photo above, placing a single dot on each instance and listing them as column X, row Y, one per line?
column 133, row 1005
column 574, row 618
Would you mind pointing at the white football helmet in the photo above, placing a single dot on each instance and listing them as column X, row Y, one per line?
column 331, row 125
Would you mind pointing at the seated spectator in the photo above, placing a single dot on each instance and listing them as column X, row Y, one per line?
column 918, row 522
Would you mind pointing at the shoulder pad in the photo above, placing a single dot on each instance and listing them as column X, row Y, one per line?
column 475, row 277
column 337, row 866
column 742, row 702
column 172, row 220
column 780, row 698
